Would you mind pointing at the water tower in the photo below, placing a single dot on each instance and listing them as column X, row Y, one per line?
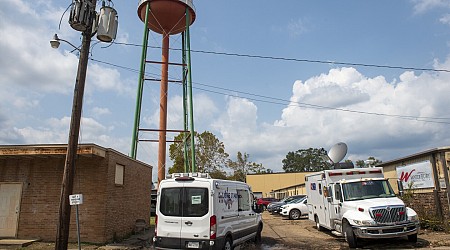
column 166, row 17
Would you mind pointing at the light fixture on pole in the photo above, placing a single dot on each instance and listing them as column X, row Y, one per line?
column 55, row 42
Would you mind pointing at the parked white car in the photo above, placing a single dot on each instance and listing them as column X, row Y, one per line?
column 295, row 210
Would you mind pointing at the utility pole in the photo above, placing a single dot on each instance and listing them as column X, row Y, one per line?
column 62, row 236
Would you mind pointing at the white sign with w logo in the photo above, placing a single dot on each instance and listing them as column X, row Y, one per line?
column 417, row 175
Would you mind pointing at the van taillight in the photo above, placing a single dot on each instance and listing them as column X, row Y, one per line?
column 156, row 224
column 212, row 227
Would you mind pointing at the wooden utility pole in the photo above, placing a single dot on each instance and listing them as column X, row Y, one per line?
column 62, row 236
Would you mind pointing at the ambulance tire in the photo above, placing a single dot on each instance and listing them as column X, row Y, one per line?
column 350, row 236
column 412, row 238
column 318, row 226
column 228, row 244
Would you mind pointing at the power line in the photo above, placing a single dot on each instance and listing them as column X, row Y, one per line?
column 280, row 101
column 296, row 59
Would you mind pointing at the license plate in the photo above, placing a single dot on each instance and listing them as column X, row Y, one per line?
column 193, row 244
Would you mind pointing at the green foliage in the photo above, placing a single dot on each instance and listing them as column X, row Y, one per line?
column 435, row 225
column 211, row 157
column 360, row 164
column 242, row 166
column 305, row 160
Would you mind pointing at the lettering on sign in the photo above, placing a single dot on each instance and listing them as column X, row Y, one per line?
column 76, row 199
column 417, row 175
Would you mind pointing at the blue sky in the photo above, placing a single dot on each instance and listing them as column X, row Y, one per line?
column 250, row 104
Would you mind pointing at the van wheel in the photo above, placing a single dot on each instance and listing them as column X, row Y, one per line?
column 412, row 238
column 295, row 214
column 350, row 237
column 318, row 226
column 257, row 239
column 228, row 244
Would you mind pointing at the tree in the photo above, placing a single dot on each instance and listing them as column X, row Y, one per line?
column 305, row 160
column 242, row 166
column 210, row 155
column 360, row 164
column 370, row 162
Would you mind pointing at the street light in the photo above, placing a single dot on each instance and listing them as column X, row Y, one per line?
column 55, row 42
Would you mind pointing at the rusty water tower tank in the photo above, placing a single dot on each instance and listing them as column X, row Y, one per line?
column 167, row 16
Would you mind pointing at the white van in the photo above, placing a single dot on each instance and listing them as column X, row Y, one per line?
column 196, row 212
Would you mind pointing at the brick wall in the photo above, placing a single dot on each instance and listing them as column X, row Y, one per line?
column 41, row 180
column 426, row 205
column 129, row 202
column 108, row 210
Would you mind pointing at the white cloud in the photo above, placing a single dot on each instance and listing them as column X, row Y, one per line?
column 97, row 111
column 425, row 5
column 297, row 27
column 371, row 115
column 107, row 79
column 239, row 119
column 445, row 19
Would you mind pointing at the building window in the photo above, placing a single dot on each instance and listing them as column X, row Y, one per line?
column 120, row 169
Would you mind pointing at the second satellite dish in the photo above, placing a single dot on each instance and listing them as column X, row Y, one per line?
column 338, row 152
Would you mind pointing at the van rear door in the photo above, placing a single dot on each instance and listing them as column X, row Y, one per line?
column 197, row 210
column 169, row 215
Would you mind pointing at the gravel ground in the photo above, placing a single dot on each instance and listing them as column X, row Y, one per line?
column 281, row 233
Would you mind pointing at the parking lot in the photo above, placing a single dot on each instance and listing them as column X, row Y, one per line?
column 282, row 233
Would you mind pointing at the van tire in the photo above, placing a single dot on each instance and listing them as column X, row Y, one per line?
column 258, row 238
column 350, row 236
column 228, row 245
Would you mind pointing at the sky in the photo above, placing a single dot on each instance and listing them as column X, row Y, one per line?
column 268, row 78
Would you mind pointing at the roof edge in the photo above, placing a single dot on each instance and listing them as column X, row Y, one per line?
column 416, row 155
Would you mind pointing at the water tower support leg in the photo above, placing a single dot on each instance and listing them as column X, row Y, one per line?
column 163, row 109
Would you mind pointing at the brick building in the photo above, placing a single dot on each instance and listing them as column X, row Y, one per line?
column 425, row 177
column 116, row 192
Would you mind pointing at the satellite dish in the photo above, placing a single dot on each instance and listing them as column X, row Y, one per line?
column 337, row 152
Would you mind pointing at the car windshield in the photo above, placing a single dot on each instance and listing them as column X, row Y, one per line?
column 367, row 189
column 295, row 200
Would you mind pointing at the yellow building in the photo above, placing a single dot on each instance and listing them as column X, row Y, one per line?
column 277, row 185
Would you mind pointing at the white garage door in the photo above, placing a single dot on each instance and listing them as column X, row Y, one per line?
column 10, row 194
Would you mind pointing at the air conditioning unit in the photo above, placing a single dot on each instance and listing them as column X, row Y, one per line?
column 107, row 24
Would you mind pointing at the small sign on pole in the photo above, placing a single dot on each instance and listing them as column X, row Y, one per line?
column 76, row 199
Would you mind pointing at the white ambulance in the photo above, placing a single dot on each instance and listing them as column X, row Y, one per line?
column 358, row 203
column 195, row 211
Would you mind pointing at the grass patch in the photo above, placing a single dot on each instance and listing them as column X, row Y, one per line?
column 152, row 220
